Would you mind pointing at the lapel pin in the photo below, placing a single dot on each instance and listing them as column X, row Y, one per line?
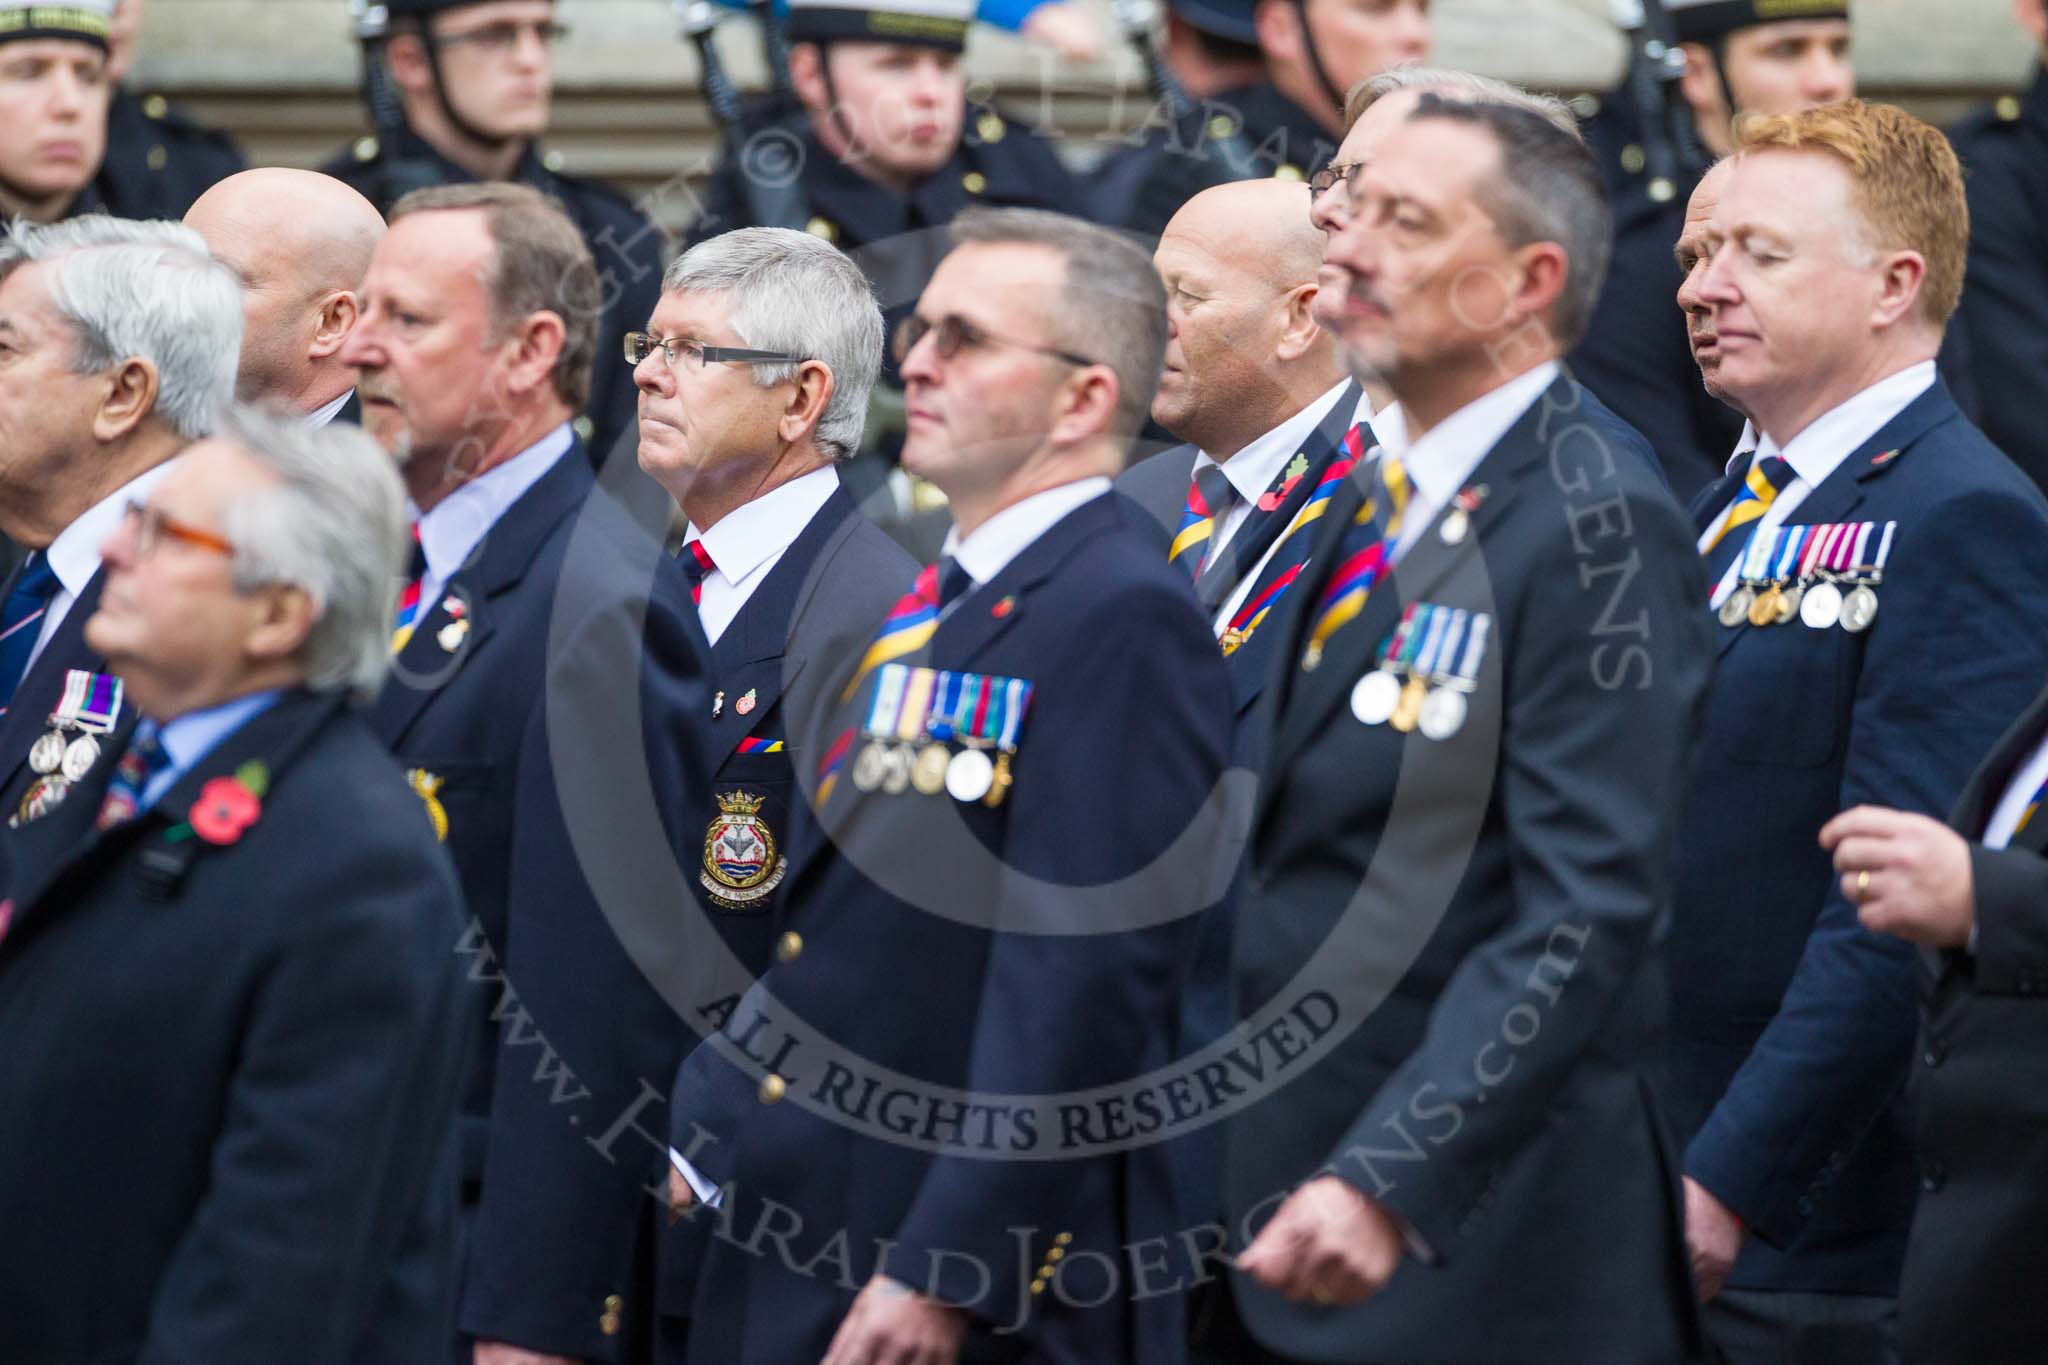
column 1458, row 522
column 718, row 706
column 1003, row 608
column 452, row 635
column 745, row 705
column 1879, row 461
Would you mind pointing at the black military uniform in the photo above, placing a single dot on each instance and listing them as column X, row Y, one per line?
column 1247, row 133
column 629, row 249
column 2005, row 295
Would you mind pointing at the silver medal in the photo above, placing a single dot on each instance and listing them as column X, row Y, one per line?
column 1735, row 607
column 896, row 773
column 47, row 754
column 969, row 775
column 1456, row 527
column 1821, row 607
column 79, row 756
column 1443, row 711
column 1859, row 609
column 870, row 766
column 1375, row 696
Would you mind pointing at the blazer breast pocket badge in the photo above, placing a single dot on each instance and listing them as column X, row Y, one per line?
column 1428, row 667
column 741, row 863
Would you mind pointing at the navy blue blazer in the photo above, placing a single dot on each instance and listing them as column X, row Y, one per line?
column 230, row 1086
column 1124, row 737
column 1449, row 951
column 554, row 1267
column 40, row 692
column 1791, row 1024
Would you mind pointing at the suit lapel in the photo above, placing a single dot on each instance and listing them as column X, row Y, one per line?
column 435, row 654
column 1842, row 492
column 1289, row 493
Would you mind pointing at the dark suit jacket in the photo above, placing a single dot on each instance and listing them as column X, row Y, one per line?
column 41, row 689
column 1470, row 930
column 229, row 1089
column 1980, row 1096
column 555, row 1257
column 1792, row 1024
column 1124, row 736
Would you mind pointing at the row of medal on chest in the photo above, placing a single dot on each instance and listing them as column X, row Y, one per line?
column 934, row 730
column 1428, row 666
column 1821, row 576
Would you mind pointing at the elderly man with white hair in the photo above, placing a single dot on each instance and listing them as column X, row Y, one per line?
column 233, row 1038
column 117, row 348
column 753, row 374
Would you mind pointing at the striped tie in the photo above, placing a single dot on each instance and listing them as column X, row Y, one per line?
column 1254, row 612
column 1363, row 558
column 142, row 760
column 2027, row 815
column 1767, row 478
column 1209, row 499
column 21, row 624
column 409, row 595
column 696, row 563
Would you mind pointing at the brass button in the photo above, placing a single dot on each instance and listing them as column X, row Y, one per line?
column 1038, row 1286
column 2008, row 108
column 1633, row 160
column 823, row 227
column 975, row 182
column 554, row 161
column 989, row 127
column 158, row 158
column 1221, row 126
column 366, row 149
column 773, row 1088
column 1056, row 1254
column 1288, row 171
column 1063, row 1239
column 155, row 106
column 609, row 1323
column 1585, row 105
column 790, row 947
column 1662, row 191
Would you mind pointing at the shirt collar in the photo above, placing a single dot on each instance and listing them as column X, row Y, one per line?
column 192, row 736
column 1744, row 445
column 459, row 521
column 1838, row 433
column 329, row 411
column 1441, row 459
column 1388, row 425
column 759, row 530
column 1011, row 531
column 1257, row 467
column 75, row 554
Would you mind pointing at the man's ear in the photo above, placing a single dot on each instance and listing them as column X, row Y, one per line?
column 405, row 57
column 338, row 314
column 807, row 76
column 130, row 396
column 1085, row 407
column 535, row 347
column 284, row 617
column 807, row 399
column 1905, row 275
column 1299, row 330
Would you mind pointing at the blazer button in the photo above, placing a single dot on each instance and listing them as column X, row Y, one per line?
column 1935, row 1055
column 609, row 1323
column 1933, row 1175
column 773, row 1088
column 789, row 947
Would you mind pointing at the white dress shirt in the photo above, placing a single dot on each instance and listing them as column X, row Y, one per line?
column 748, row 542
column 328, row 412
column 1257, row 467
column 2026, row 780
column 1440, row 460
column 75, row 554
column 459, row 522
column 1816, row 453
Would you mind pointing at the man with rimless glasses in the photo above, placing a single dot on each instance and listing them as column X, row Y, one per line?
column 474, row 83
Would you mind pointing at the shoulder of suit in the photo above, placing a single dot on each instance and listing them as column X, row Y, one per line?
column 872, row 553
column 1006, row 160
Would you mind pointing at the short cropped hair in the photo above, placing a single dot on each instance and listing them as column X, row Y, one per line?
column 795, row 293
column 148, row 291
column 1548, row 190
column 1112, row 307
column 1452, row 83
column 1907, row 184
column 334, row 526
column 542, row 265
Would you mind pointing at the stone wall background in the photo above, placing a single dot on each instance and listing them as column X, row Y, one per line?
column 281, row 74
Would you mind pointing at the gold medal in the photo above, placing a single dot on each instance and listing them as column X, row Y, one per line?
column 1000, row 780
column 928, row 774
column 1764, row 608
column 1409, row 710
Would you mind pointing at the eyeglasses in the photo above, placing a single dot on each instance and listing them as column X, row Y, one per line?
column 639, row 346
column 952, row 332
column 152, row 524
column 497, row 40
column 1329, row 177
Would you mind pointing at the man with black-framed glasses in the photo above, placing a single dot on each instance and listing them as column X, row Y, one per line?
column 471, row 84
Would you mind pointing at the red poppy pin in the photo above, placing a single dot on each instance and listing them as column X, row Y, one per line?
column 228, row 806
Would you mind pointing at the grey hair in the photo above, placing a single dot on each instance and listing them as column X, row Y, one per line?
column 332, row 525
column 148, row 291
column 795, row 293
column 1112, row 308
column 1548, row 190
column 1455, row 84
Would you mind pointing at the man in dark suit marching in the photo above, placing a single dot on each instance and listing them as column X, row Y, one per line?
column 536, row 602
column 1827, row 272
column 1007, row 801
column 1459, row 853
column 159, row 323
column 1970, row 893
column 233, row 1038
column 754, row 376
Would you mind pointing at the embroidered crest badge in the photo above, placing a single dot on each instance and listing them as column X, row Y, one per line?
column 741, row 862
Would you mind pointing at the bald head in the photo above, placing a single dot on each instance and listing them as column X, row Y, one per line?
column 301, row 243
column 1243, row 353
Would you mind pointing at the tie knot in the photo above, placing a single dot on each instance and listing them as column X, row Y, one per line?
column 1212, row 491
column 37, row 581
column 145, row 757
column 954, row 581
column 696, row 562
column 1776, row 471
